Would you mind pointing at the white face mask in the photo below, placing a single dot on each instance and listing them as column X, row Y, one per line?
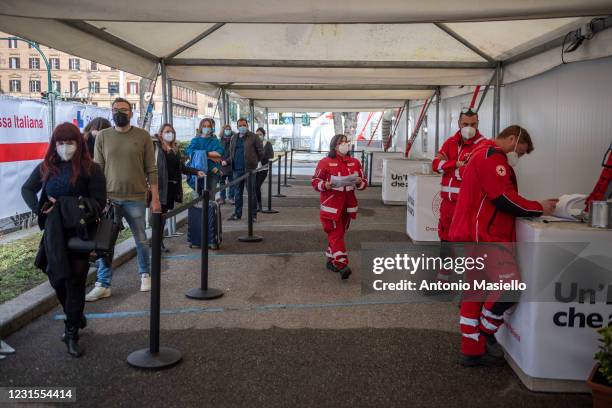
column 513, row 157
column 94, row 133
column 65, row 151
column 168, row 137
column 343, row 148
column 468, row 132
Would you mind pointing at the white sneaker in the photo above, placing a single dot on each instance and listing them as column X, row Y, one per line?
column 97, row 293
column 145, row 282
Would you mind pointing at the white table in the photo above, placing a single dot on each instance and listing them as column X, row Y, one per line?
column 377, row 165
column 544, row 351
column 423, row 207
column 395, row 179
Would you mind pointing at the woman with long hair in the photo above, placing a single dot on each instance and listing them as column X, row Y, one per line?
column 336, row 178
column 91, row 131
column 226, row 169
column 207, row 142
column 261, row 175
column 73, row 194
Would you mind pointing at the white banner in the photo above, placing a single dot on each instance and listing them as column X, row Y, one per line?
column 24, row 137
column 395, row 179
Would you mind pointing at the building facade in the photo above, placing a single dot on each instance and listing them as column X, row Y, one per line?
column 23, row 73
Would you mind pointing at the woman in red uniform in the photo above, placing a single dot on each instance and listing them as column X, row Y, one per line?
column 338, row 202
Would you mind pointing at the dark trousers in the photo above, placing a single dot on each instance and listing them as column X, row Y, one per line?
column 238, row 198
column 261, row 177
column 71, row 291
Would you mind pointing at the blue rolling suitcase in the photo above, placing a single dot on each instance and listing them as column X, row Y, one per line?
column 194, row 225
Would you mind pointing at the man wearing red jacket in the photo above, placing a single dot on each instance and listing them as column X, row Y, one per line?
column 450, row 162
column 603, row 188
column 486, row 210
column 338, row 203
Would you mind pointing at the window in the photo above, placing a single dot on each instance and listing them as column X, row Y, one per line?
column 34, row 85
column 94, row 66
column 55, row 63
column 56, row 86
column 12, row 43
column 113, row 88
column 133, row 107
column 14, row 62
column 74, row 64
column 74, row 87
column 94, row 87
column 34, row 63
column 133, row 88
column 15, row 85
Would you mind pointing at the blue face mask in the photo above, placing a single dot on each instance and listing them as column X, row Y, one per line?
column 227, row 132
column 242, row 130
column 206, row 131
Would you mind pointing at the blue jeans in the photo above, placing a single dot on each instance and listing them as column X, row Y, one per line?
column 222, row 182
column 238, row 195
column 134, row 213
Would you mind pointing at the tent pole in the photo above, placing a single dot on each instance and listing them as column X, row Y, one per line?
column 497, row 100
column 226, row 107
column 164, row 80
column 407, row 119
column 437, row 120
column 169, row 108
column 252, row 114
column 267, row 125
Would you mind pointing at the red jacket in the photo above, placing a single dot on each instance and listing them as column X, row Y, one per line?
column 337, row 199
column 604, row 181
column 489, row 201
column 455, row 149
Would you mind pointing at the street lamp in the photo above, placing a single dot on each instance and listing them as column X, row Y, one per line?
column 50, row 93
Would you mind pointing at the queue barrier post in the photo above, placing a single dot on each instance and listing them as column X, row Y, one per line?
column 285, row 183
column 155, row 357
column 269, row 210
column 291, row 166
column 250, row 196
column 204, row 292
column 278, row 179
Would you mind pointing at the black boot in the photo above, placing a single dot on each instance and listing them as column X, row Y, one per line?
column 72, row 341
column 82, row 325
column 345, row 273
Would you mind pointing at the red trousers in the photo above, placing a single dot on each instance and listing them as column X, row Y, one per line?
column 336, row 249
column 482, row 312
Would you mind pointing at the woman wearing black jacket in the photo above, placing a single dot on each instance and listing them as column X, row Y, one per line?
column 261, row 175
column 73, row 193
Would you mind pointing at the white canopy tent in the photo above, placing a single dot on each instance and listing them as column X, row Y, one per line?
column 316, row 55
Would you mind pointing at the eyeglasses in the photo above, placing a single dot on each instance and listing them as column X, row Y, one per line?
column 123, row 110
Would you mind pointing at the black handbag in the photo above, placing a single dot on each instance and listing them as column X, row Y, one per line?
column 102, row 235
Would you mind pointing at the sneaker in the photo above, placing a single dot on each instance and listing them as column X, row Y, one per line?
column 220, row 201
column 345, row 272
column 145, row 282
column 329, row 265
column 234, row 217
column 493, row 347
column 485, row 360
column 97, row 293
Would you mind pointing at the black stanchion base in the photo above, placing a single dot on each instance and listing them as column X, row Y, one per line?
column 166, row 358
column 250, row 238
column 279, row 195
column 286, row 185
column 292, row 178
column 204, row 294
column 269, row 212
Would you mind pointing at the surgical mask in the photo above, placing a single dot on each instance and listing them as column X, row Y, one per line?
column 94, row 133
column 121, row 119
column 206, row 131
column 343, row 148
column 227, row 132
column 168, row 137
column 513, row 157
column 468, row 132
column 65, row 151
column 242, row 130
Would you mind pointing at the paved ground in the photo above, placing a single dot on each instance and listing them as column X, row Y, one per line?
column 286, row 333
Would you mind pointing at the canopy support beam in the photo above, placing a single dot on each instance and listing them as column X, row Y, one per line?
column 465, row 42
column 195, row 40
column 267, row 63
column 497, row 100
column 437, row 143
column 169, row 108
column 362, row 87
column 164, row 84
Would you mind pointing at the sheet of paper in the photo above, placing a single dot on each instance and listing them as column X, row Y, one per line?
column 565, row 206
column 342, row 181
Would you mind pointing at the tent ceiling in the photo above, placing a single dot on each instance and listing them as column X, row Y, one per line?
column 304, row 11
column 285, row 105
column 364, row 49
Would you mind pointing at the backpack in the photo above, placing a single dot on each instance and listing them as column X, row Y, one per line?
column 199, row 160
